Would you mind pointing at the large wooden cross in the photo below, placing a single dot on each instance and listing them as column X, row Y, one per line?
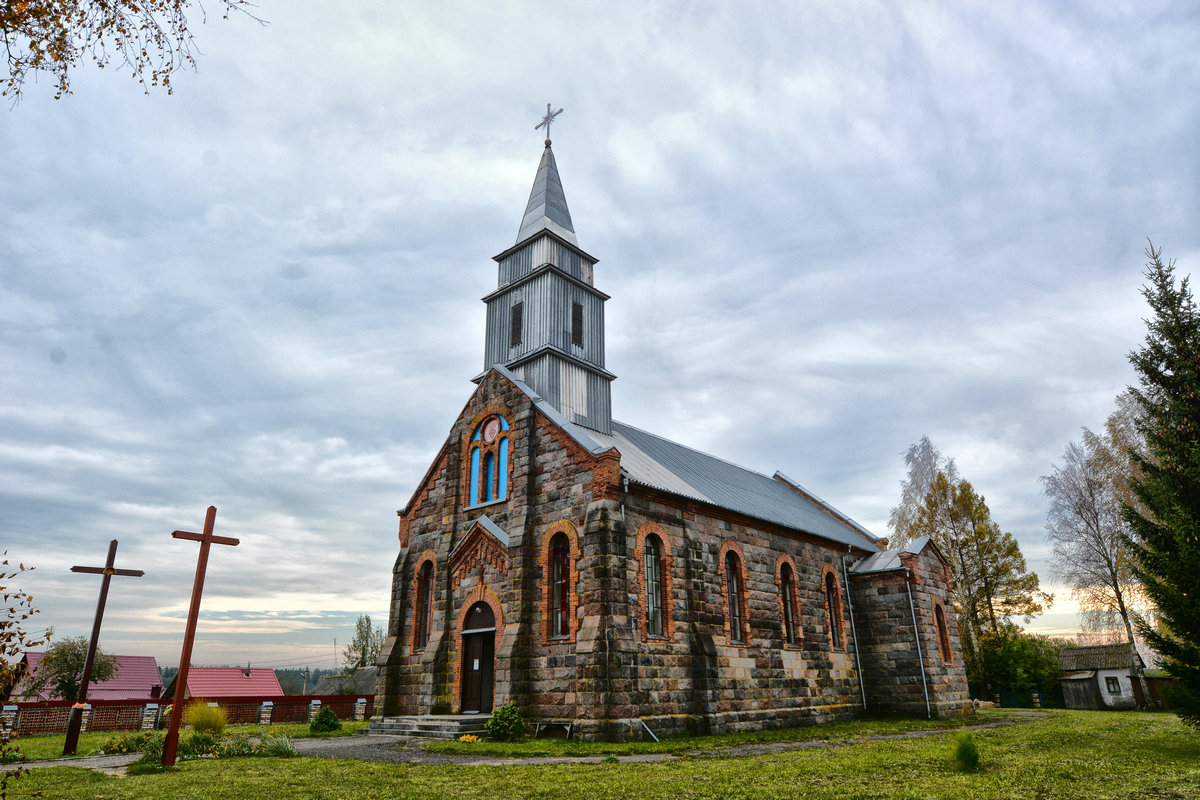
column 206, row 540
column 75, row 723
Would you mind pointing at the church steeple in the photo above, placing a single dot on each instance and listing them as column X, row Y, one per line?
column 545, row 321
column 547, row 206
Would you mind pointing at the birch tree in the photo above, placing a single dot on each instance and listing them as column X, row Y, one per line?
column 1088, row 533
column 923, row 462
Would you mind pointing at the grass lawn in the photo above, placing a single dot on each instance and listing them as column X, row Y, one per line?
column 834, row 731
column 37, row 748
column 1066, row 755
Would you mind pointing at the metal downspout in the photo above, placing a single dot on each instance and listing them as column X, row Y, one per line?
column 854, row 635
column 917, row 637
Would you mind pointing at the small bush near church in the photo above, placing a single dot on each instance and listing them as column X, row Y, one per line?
column 324, row 722
column 205, row 718
column 966, row 752
column 505, row 724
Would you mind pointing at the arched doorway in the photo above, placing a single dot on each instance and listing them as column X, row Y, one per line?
column 478, row 659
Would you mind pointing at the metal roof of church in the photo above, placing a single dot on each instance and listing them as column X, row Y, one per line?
column 659, row 463
column 889, row 560
column 662, row 464
column 547, row 206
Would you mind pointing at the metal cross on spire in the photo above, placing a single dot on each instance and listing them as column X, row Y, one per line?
column 75, row 722
column 546, row 121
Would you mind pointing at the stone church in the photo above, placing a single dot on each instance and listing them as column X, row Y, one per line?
column 618, row 583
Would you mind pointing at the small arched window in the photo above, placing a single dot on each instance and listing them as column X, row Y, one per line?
column 488, row 457
column 787, row 591
column 652, row 553
column 423, row 607
column 833, row 606
column 560, row 585
column 939, row 615
column 733, row 596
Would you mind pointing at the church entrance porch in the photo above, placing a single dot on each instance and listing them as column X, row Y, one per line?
column 478, row 659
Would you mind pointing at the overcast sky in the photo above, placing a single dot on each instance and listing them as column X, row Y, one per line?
column 827, row 229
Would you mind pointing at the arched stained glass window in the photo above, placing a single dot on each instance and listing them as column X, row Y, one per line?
column 488, row 480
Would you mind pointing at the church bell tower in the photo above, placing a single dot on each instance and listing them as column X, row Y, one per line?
column 545, row 321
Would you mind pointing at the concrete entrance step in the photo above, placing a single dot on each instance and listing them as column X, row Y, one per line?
column 431, row 726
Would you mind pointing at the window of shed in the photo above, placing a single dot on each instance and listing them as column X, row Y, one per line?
column 1114, row 685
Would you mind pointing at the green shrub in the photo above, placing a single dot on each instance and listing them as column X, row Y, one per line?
column 324, row 722
column 277, row 746
column 505, row 724
column 198, row 744
column 966, row 752
column 234, row 746
column 151, row 760
column 205, row 718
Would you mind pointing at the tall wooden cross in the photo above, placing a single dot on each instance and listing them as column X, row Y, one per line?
column 108, row 570
column 205, row 539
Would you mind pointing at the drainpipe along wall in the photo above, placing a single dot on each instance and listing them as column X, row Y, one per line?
column 854, row 635
column 917, row 639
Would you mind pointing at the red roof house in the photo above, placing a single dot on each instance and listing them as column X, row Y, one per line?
column 209, row 682
column 135, row 678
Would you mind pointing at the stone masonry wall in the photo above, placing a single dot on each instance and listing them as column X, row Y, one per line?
column 550, row 484
column 891, row 666
column 607, row 675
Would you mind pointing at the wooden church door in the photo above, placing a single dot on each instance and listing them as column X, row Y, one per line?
column 478, row 653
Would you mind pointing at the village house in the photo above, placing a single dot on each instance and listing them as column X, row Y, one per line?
column 1098, row 677
column 616, row 582
column 228, row 682
column 134, row 678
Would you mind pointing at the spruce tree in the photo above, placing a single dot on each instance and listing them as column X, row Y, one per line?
column 1166, row 528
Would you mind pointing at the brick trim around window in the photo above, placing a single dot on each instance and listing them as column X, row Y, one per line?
column 743, row 605
column 797, row 625
column 833, row 615
column 426, row 557
column 547, row 590
column 943, row 632
column 668, row 567
column 469, row 444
